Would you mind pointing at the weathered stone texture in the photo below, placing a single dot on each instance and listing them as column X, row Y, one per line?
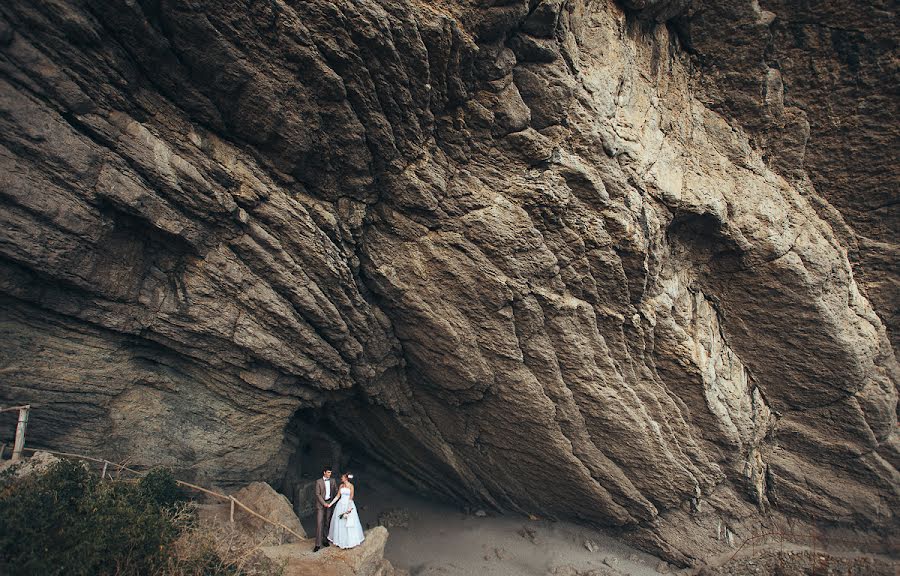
column 609, row 263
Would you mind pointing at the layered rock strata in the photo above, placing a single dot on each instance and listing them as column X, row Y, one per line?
column 566, row 257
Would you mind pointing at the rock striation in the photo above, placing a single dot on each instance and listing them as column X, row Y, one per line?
column 631, row 264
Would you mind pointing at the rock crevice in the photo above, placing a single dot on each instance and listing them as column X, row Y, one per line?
column 498, row 247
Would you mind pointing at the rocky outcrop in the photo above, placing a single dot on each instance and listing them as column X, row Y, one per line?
column 367, row 559
column 570, row 258
column 38, row 463
column 262, row 499
column 808, row 81
column 277, row 548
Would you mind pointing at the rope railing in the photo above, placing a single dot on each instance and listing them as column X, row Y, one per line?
column 19, row 448
column 11, row 408
column 121, row 467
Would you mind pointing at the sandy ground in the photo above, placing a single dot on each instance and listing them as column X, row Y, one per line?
column 441, row 540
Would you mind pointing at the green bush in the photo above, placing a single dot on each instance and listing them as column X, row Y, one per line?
column 160, row 486
column 66, row 521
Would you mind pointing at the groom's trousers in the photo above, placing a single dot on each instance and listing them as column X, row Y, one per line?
column 323, row 523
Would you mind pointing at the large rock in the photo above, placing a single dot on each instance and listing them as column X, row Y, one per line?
column 39, row 463
column 806, row 80
column 262, row 499
column 549, row 257
column 367, row 559
column 265, row 501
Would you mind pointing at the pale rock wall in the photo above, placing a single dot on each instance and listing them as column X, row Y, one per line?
column 517, row 250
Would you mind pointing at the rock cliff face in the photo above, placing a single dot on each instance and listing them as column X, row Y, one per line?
column 633, row 264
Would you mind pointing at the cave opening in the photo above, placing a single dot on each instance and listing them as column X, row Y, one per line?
column 310, row 445
column 357, row 435
column 313, row 439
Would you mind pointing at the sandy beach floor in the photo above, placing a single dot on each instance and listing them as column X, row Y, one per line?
column 431, row 538
column 441, row 540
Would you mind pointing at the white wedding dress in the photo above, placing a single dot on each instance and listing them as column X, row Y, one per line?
column 345, row 532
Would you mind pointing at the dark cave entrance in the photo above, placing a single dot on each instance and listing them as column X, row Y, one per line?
column 311, row 445
column 313, row 440
column 354, row 434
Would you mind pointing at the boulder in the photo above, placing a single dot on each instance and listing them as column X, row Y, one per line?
column 38, row 463
column 367, row 559
column 264, row 500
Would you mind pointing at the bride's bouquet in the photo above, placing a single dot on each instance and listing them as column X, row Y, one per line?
column 348, row 517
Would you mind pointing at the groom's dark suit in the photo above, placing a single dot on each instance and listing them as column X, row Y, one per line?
column 323, row 514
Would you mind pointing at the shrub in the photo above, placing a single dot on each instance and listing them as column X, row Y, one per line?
column 66, row 521
column 213, row 549
column 160, row 486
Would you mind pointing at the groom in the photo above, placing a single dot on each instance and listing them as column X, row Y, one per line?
column 326, row 488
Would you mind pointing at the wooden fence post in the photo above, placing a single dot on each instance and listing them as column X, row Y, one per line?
column 20, row 432
column 220, row 496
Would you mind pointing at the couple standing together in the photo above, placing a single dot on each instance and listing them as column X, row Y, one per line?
column 336, row 512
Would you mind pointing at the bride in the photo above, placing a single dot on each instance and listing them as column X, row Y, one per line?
column 345, row 529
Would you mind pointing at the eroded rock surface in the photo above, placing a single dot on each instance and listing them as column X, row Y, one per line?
column 570, row 258
column 262, row 499
column 367, row 559
column 292, row 555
